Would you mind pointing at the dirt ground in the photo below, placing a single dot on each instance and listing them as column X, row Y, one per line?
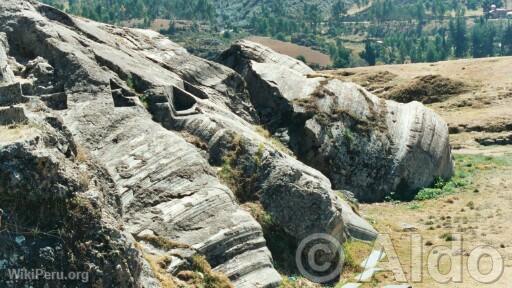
column 293, row 50
column 478, row 213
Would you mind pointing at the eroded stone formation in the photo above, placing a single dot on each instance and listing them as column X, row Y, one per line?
column 160, row 152
column 369, row 146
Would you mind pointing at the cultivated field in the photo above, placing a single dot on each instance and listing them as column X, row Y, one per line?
column 294, row 50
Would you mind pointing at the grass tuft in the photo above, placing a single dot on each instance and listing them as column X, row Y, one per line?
column 163, row 243
column 211, row 278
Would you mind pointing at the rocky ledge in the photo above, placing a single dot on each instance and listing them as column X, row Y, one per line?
column 150, row 166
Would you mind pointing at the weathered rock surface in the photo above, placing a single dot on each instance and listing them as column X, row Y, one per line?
column 6, row 74
column 369, row 146
column 159, row 122
column 59, row 211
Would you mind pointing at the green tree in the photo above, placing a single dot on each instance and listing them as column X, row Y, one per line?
column 339, row 9
column 482, row 39
column 506, row 41
column 458, row 31
column 369, row 54
column 342, row 56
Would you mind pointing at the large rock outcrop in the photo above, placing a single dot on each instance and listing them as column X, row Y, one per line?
column 59, row 210
column 369, row 146
column 161, row 122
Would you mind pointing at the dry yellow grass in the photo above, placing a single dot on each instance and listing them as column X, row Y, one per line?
column 163, row 243
column 480, row 214
column 14, row 133
column 82, row 155
column 486, row 104
column 157, row 265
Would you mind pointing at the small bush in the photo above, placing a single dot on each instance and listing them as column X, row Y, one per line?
column 448, row 237
column 349, row 136
column 355, row 253
column 211, row 278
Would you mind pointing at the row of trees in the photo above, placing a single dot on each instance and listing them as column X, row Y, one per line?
column 483, row 39
column 120, row 10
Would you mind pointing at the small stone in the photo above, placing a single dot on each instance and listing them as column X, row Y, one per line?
column 408, row 227
column 146, row 233
column 20, row 239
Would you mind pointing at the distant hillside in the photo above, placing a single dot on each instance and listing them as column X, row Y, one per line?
column 241, row 11
column 223, row 11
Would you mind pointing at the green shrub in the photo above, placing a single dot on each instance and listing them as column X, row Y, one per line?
column 349, row 136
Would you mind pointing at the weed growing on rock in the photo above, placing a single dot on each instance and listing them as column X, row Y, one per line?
column 273, row 141
column 211, row 278
column 240, row 173
column 129, row 82
column 84, row 179
column 349, row 136
column 163, row 243
column 281, row 244
column 81, row 154
column 157, row 265
column 144, row 99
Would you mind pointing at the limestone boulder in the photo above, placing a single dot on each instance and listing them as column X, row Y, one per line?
column 369, row 146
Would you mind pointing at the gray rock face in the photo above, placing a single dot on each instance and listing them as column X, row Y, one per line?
column 372, row 147
column 160, row 123
column 6, row 74
column 64, row 214
column 164, row 183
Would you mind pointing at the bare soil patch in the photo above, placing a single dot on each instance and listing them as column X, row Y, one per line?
column 478, row 214
column 427, row 89
column 294, row 50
